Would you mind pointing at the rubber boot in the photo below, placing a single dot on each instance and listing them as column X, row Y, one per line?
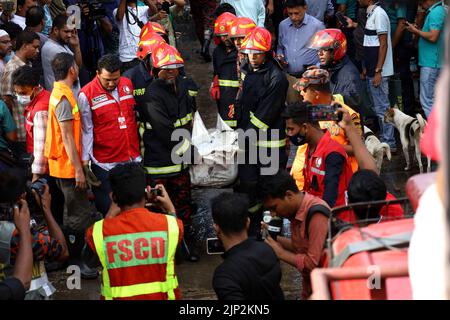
column 75, row 243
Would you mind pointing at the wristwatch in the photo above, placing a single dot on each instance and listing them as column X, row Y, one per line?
column 378, row 70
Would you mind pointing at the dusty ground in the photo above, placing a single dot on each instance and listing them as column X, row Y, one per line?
column 195, row 278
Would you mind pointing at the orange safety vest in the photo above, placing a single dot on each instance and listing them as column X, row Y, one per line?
column 137, row 252
column 59, row 163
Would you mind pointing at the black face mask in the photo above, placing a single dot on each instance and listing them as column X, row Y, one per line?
column 298, row 140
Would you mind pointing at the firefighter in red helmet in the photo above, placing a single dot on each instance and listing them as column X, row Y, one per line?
column 239, row 28
column 169, row 106
column 259, row 107
column 331, row 46
column 225, row 83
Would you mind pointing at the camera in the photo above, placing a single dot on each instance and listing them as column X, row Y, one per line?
column 96, row 9
column 151, row 194
column 324, row 113
column 214, row 246
column 6, row 212
column 155, row 192
column 39, row 185
column 165, row 6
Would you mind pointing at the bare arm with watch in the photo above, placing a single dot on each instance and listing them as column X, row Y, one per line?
column 381, row 58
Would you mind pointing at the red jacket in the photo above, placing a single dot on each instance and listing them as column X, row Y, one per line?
column 39, row 103
column 388, row 213
column 115, row 127
column 315, row 169
column 134, row 251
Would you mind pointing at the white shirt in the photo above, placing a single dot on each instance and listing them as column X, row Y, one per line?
column 427, row 256
column 378, row 20
column 129, row 33
column 19, row 20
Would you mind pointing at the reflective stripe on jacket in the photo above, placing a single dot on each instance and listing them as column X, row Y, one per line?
column 315, row 169
column 164, row 112
column 137, row 252
column 114, row 140
column 224, row 64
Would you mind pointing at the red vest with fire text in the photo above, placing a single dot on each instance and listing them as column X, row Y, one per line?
column 115, row 127
column 315, row 169
column 137, row 252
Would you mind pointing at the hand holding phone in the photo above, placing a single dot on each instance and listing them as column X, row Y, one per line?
column 214, row 246
column 324, row 113
column 342, row 19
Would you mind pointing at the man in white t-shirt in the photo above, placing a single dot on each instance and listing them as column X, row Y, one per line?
column 130, row 19
column 22, row 8
column 378, row 64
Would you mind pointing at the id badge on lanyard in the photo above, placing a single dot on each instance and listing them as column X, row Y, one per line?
column 122, row 122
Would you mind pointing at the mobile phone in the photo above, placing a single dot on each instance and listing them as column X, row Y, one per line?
column 324, row 113
column 214, row 246
column 152, row 193
column 341, row 18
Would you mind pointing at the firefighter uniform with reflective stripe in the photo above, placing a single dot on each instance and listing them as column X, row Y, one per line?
column 314, row 171
column 259, row 107
column 59, row 163
column 262, row 101
column 224, row 64
column 164, row 111
column 137, row 252
column 114, row 123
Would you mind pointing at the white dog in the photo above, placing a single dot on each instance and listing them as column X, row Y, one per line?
column 376, row 148
column 411, row 130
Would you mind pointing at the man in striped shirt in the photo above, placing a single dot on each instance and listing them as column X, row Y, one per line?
column 35, row 100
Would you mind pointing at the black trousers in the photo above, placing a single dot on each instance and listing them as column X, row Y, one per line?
column 402, row 57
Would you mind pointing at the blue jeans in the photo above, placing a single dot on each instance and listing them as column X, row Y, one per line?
column 102, row 199
column 428, row 78
column 380, row 97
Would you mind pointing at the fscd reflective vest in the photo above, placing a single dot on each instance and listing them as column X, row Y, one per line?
column 39, row 103
column 114, row 123
column 58, row 161
column 315, row 169
column 138, row 263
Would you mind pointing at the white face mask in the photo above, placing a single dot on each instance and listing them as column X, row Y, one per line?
column 23, row 100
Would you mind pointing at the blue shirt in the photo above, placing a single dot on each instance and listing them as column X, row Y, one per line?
column 320, row 8
column 293, row 43
column 7, row 124
column 48, row 21
column 431, row 54
column 253, row 9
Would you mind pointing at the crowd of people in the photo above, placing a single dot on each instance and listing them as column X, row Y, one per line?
column 89, row 108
